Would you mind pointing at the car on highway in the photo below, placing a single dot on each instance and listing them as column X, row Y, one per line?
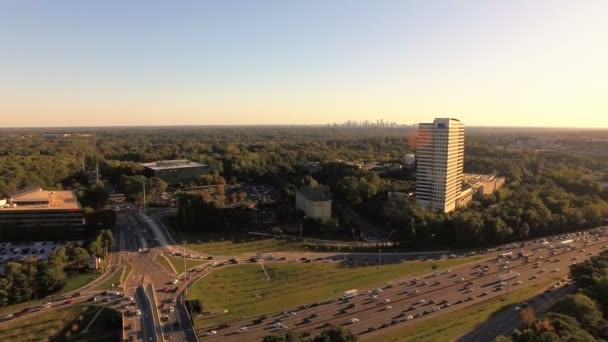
column 354, row 320
column 242, row 330
column 171, row 309
column 138, row 312
column 211, row 333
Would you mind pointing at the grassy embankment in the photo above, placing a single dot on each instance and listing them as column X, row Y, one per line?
column 73, row 282
column 242, row 246
column 65, row 324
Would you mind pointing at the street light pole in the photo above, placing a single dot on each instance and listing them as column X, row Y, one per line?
column 143, row 184
column 379, row 266
column 185, row 271
column 508, row 278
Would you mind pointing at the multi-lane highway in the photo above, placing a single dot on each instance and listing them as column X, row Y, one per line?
column 504, row 322
column 158, row 313
column 421, row 298
column 162, row 314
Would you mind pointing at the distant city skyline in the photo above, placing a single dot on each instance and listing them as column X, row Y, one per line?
column 488, row 63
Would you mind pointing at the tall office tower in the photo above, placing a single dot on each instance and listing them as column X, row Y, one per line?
column 440, row 156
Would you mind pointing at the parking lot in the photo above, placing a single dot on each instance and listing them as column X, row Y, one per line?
column 22, row 251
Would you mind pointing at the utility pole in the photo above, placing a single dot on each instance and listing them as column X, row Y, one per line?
column 105, row 253
column 185, row 271
column 379, row 266
column 508, row 278
column 143, row 183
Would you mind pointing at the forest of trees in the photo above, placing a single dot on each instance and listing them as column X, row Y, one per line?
column 546, row 192
column 331, row 334
column 34, row 279
column 578, row 317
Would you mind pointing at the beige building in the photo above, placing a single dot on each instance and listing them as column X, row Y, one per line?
column 483, row 184
column 313, row 203
column 39, row 214
column 466, row 197
column 440, row 158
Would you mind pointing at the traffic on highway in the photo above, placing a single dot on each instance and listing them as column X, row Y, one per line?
column 152, row 299
column 410, row 300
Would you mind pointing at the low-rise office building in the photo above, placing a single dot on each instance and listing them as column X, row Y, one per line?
column 313, row 203
column 36, row 214
column 483, row 184
column 176, row 171
column 477, row 187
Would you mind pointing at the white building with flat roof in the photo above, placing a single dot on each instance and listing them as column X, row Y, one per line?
column 440, row 158
column 313, row 203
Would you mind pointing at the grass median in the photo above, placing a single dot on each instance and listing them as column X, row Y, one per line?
column 178, row 263
column 239, row 246
column 245, row 291
column 108, row 284
column 450, row 326
column 165, row 263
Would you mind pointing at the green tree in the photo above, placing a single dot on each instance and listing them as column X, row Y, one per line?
column 51, row 277
column 335, row 334
column 582, row 308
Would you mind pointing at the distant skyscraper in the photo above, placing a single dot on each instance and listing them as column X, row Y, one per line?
column 440, row 157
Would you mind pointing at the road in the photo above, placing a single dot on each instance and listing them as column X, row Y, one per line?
column 168, row 314
column 168, row 318
column 374, row 318
column 506, row 321
column 148, row 331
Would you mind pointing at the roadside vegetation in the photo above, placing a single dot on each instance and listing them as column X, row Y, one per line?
column 578, row 317
column 450, row 326
column 65, row 270
column 65, row 324
column 238, row 245
column 245, row 290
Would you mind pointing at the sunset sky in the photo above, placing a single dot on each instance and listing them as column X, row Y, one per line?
column 510, row 62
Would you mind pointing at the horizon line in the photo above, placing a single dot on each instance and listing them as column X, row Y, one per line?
column 399, row 125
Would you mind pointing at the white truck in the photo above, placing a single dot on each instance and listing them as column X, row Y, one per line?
column 349, row 294
column 508, row 276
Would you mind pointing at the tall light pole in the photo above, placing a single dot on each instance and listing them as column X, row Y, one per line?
column 143, row 184
column 508, row 277
column 185, row 271
column 379, row 266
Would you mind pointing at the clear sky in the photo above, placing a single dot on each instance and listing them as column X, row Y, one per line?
column 508, row 62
